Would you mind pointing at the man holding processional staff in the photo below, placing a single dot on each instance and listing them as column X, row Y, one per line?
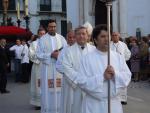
column 101, row 75
column 94, row 72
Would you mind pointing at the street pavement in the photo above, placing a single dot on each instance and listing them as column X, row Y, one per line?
column 17, row 101
column 138, row 98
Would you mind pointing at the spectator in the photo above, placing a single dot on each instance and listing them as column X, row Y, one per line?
column 17, row 49
column 135, row 59
column 143, row 58
column 3, row 66
column 25, row 62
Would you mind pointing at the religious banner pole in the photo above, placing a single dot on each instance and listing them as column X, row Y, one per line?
column 108, row 5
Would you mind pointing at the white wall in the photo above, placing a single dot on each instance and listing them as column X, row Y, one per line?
column 34, row 16
column 138, row 16
column 34, row 24
column 73, row 12
column 33, row 7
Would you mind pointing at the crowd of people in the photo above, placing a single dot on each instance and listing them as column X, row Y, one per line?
column 69, row 75
column 139, row 61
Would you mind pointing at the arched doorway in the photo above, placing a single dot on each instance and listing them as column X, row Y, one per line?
column 101, row 13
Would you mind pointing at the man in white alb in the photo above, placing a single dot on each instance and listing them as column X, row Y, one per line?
column 70, row 63
column 47, row 52
column 65, row 104
column 94, row 72
column 122, row 49
column 35, row 72
column 70, row 41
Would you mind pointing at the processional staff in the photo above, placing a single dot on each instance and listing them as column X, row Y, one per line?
column 108, row 5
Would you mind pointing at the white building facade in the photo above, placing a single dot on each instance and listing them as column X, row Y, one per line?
column 40, row 11
column 127, row 15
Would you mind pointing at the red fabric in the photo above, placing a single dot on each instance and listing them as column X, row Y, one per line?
column 13, row 30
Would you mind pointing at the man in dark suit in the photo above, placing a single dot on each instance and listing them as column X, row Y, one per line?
column 3, row 66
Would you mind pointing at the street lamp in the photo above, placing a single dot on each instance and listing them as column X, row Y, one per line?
column 27, row 18
column 108, row 5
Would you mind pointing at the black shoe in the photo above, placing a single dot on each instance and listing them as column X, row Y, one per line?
column 123, row 103
column 37, row 108
column 5, row 91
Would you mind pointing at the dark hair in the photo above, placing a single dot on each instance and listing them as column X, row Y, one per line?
column 18, row 39
column 41, row 29
column 96, row 31
column 35, row 37
column 24, row 40
column 145, row 39
column 51, row 21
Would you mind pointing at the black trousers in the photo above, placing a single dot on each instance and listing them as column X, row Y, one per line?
column 25, row 72
column 3, row 81
column 18, row 70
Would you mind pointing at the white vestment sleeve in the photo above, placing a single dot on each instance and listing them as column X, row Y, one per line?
column 42, row 54
column 122, row 76
column 59, row 66
column 127, row 53
column 90, row 83
column 32, row 53
column 69, row 71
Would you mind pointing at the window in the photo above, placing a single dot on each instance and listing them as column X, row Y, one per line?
column 44, row 23
column 45, row 5
column 57, row 5
column 64, row 5
column 11, row 6
column 64, row 27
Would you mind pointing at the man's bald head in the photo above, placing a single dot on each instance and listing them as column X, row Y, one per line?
column 71, row 37
column 115, row 37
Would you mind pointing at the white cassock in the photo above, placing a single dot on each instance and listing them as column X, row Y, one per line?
column 35, row 75
column 91, row 80
column 59, row 66
column 72, row 95
column 121, row 48
column 64, row 89
column 50, row 78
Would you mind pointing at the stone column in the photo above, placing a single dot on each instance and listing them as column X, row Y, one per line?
column 115, row 18
column 85, row 10
column 123, row 18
